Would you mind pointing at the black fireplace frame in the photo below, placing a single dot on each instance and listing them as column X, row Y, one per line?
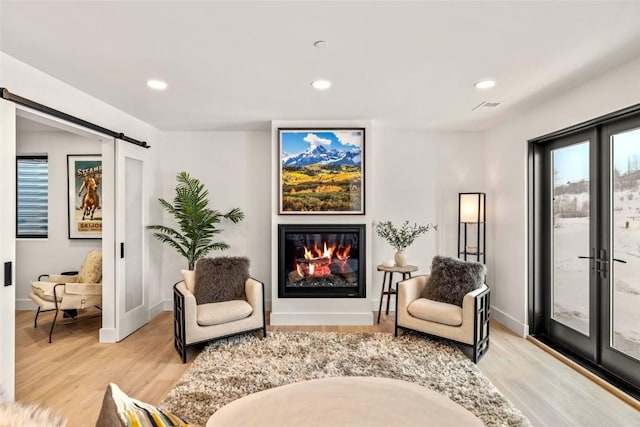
column 330, row 292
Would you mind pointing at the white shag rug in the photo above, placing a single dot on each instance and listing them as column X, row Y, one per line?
column 235, row 367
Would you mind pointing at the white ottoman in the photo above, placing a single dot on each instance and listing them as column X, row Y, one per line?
column 344, row 401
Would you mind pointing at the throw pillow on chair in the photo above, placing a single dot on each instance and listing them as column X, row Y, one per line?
column 451, row 279
column 221, row 279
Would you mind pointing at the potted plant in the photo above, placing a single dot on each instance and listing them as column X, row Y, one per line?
column 401, row 237
column 196, row 220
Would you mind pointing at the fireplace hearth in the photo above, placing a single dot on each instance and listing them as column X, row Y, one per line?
column 321, row 261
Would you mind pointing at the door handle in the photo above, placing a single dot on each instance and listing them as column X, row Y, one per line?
column 592, row 265
column 620, row 260
column 8, row 274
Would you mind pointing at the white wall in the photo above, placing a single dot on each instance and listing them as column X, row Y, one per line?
column 417, row 176
column 412, row 175
column 56, row 253
column 506, row 160
column 235, row 168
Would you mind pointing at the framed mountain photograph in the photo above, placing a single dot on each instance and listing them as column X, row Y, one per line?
column 321, row 171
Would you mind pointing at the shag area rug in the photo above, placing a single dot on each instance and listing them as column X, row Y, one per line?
column 235, row 367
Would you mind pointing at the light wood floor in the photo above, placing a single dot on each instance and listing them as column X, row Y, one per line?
column 71, row 374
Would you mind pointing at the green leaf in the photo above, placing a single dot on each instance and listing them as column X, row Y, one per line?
column 402, row 237
column 196, row 220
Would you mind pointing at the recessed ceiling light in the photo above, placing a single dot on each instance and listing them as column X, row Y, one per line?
column 484, row 84
column 321, row 84
column 321, row 44
column 157, row 84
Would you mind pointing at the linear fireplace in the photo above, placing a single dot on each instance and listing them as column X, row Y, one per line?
column 321, row 261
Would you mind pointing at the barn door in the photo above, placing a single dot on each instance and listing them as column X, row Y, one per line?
column 132, row 309
column 7, row 249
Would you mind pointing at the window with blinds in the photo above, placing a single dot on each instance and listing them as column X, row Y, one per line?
column 32, row 194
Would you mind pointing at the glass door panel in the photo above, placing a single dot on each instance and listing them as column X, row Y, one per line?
column 570, row 236
column 134, row 229
column 625, row 243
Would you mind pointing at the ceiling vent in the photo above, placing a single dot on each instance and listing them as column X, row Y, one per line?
column 486, row 104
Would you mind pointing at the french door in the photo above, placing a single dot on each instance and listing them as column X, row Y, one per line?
column 589, row 224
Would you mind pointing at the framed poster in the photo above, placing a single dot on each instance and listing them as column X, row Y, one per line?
column 84, row 174
column 321, row 171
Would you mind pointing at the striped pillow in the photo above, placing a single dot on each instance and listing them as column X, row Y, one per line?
column 118, row 409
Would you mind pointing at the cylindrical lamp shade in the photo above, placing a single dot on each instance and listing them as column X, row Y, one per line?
column 471, row 207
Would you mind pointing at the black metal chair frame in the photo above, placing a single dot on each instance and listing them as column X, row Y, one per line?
column 179, row 324
column 69, row 314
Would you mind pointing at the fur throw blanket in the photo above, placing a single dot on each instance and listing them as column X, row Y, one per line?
column 20, row 415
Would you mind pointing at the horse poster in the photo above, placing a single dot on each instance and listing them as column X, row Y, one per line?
column 84, row 174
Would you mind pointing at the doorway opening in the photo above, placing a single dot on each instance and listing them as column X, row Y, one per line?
column 53, row 252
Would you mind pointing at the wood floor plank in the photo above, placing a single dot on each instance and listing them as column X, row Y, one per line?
column 71, row 374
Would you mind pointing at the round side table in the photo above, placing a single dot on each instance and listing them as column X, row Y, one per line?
column 388, row 272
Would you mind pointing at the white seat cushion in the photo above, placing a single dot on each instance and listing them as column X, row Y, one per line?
column 44, row 290
column 435, row 311
column 216, row 313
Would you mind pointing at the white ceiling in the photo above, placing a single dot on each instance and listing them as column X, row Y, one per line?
column 241, row 64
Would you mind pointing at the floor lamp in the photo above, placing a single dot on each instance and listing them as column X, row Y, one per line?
column 472, row 227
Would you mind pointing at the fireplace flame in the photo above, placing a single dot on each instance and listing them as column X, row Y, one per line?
column 319, row 260
column 344, row 254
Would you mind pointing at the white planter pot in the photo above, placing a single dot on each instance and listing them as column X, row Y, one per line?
column 401, row 259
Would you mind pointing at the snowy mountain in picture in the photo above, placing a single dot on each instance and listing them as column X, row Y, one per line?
column 321, row 155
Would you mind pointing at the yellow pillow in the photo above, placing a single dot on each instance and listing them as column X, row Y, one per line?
column 118, row 409
column 91, row 270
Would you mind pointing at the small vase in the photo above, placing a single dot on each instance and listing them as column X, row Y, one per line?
column 401, row 259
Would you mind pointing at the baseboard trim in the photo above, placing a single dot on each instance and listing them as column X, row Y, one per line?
column 157, row 308
column 630, row 400
column 352, row 319
column 108, row 335
column 25, row 304
column 508, row 321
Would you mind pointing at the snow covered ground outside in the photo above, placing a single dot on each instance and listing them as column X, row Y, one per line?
column 571, row 274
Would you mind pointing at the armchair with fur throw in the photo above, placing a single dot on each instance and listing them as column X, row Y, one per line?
column 215, row 301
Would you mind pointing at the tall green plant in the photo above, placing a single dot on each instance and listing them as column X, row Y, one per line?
column 197, row 221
